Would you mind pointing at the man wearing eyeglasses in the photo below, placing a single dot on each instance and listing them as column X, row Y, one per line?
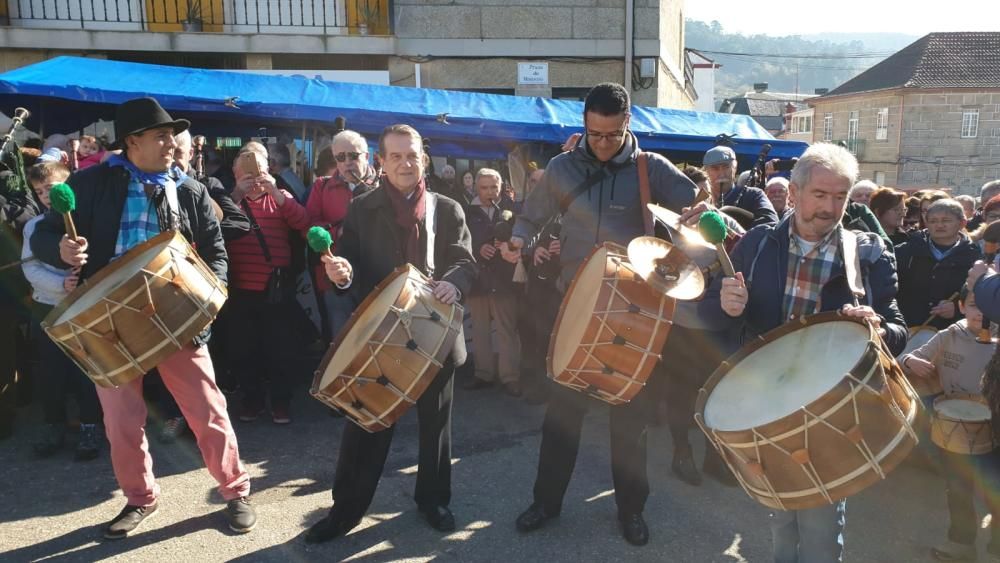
column 595, row 187
column 329, row 199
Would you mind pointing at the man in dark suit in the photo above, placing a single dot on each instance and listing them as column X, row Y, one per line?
column 401, row 222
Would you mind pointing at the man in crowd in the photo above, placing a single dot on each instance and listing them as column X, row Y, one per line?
column 279, row 163
column 595, row 187
column 384, row 229
column 494, row 296
column 121, row 203
column 988, row 191
column 777, row 193
column 720, row 165
column 793, row 269
column 862, row 191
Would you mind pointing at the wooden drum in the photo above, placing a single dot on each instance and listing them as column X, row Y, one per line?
column 812, row 412
column 610, row 329
column 137, row 311
column 389, row 352
column 961, row 423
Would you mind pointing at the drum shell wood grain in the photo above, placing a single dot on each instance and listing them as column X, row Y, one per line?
column 185, row 297
column 970, row 437
column 349, row 394
column 885, row 417
column 645, row 332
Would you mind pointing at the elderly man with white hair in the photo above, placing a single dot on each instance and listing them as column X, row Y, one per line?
column 796, row 268
column 777, row 193
column 862, row 191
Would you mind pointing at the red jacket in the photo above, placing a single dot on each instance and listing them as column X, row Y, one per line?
column 329, row 199
column 247, row 267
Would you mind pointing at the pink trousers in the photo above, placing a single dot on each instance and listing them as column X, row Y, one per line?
column 190, row 378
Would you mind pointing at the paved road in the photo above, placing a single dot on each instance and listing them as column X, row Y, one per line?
column 53, row 510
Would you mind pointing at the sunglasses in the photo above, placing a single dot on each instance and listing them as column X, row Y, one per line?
column 344, row 156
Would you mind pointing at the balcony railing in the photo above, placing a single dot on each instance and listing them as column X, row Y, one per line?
column 327, row 17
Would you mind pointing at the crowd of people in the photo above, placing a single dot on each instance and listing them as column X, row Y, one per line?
column 509, row 263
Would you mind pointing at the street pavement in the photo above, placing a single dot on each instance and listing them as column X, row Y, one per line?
column 54, row 509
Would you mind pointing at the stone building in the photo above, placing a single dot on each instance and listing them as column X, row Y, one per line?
column 928, row 116
column 556, row 48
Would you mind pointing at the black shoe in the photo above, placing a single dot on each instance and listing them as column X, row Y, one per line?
column 51, row 440
column 88, row 445
column 330, row 527
column 128, row 520
column 534, row 518
column 241, row 515
column 475, row 384
column 683, row 466
column 634, row 529
column 439, row 517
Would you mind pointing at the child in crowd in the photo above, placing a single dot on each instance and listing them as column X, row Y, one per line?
column 59, row 375
column 959, row 361
column 90, row 152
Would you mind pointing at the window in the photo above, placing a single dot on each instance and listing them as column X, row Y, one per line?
column 880, row 178
column 970, row 123
column 802, row 124
column 882, row 125
column 828, row 127
column 808, row 127
column 852, row 132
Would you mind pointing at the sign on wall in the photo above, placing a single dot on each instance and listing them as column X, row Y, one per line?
column 532, row 74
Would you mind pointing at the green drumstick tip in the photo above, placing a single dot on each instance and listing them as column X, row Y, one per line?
column 62, row 198
column 319, row 239
column 712, row 227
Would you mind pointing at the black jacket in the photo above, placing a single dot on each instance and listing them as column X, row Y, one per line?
column 925, row 282
column 234, row 222
column 372, row 243
column 100, row 198
column 496, row 274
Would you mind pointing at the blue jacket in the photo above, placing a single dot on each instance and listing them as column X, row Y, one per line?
column 987, row 292
column 762, row 256
column 753, row 200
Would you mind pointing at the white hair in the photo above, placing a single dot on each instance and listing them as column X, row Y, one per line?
column 782, row 181
column 447, row 167
column 967, row 198
column 489, row 172
column 947, row 206
column 827, row 156
column 992, row 187
column 183, row 139
column 352, row 137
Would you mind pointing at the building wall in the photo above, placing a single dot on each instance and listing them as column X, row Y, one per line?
column 877, row 158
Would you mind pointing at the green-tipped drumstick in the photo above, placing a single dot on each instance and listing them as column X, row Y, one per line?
column 319, row 240
column 63, row 200
column 713, row 230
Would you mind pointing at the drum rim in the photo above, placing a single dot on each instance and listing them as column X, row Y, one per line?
column 756, row 344
column 49, row 322
column 971, row 397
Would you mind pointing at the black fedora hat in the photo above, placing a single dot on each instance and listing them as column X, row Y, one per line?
column 141, row 114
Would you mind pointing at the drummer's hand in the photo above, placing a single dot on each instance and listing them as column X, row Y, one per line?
column 865, row 313
column 72, row 280
column 919, row 366
column 944, row 309
column 508, row 254
column 734, row 295
column 73, row 252
column 445, row 292
column 979, row 269
column 338, row 269
column 542, row 255
column 487, row 251
column 690, row 215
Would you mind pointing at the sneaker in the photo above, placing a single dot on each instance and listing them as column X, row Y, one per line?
column 279, row 414
column 242, row 517
column 172, row 429
column 128, row 520
column 51, row 441
column 251, row 411
column 953, row 551
column 89, row 444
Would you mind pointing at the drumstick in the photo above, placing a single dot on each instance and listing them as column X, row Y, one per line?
column 320, row 240
column 64, row 201
column 713, row 229
column 18, row 263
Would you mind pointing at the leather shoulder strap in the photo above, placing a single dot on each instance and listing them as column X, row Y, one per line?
column 644, row 194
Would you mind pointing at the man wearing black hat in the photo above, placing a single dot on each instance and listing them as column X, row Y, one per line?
column 121, row 203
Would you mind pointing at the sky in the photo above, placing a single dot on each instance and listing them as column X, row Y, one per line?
column 860, row 16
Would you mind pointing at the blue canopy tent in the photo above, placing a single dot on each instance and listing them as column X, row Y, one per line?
column 68, row 92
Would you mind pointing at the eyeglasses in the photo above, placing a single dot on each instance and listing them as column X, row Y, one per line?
column 613, row 137
column 343, row 156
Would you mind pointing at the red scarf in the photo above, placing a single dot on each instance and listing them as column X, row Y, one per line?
column 409, row 212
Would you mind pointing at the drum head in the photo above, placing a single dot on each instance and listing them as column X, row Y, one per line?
column 120, row 271
column 578, row 306
column 962, row 409
column 784, row 375
column 918, row 337
column 666, row 268
column 362, row 325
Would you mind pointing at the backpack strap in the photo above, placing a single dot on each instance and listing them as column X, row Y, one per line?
column 644, row 194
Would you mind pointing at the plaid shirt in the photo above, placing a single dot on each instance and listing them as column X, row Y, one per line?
column 140, row 221
column 807, row 272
